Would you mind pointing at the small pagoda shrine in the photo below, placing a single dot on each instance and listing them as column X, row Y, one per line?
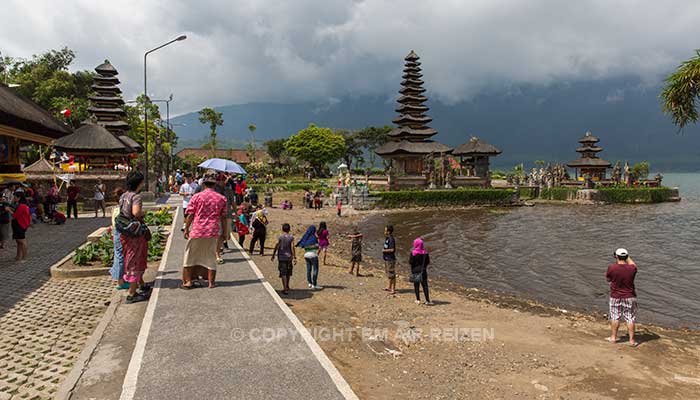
column 102, row 143
column 409, row 144
column 474, row 159
column 589, row 164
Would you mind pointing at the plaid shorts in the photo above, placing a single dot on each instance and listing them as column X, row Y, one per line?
column 626, row 308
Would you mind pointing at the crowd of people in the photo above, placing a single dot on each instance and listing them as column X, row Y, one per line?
column 217, row 205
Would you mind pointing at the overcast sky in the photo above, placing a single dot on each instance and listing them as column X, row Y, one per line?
column 321, row 50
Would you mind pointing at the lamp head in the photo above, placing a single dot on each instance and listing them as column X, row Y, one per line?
column 181, row 38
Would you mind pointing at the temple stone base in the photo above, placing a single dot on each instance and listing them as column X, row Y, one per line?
column 469, row 181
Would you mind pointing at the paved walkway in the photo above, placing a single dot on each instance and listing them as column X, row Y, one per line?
column 44, row 323
column 205, row 343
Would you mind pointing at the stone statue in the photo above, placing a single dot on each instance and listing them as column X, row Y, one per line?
column 617, row 173
column 540, row 176
column 347, row 178
column 658, row 178
column 445, row 166
column 448, row 179
column 627, row 175
column 431, row 171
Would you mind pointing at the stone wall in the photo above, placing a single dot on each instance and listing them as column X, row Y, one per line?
column 86, row 182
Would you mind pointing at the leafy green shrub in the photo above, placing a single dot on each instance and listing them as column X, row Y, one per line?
column 444, row 197
column 557, row 193
column 635, row 195
column 155, row 245
column 162, row 217
column 527, row 192
column 102, row 250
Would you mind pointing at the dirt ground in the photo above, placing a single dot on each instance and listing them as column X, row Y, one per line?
column 471, row 344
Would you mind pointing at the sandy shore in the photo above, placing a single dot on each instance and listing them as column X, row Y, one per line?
column 471, row 343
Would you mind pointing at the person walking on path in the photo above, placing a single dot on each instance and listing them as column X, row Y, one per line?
column 323, row 241
column 21, row 219
column 117, row 270
column 134, row 238
column 259, row 225
column 623, row 296
column 72, row 202
column 100, row 197
column 356, row 251
column 286, row 256
column 309, row 243
column 419, row 262
column 205, row 217
column 389, row 256
column 186, row 191
column 5, row 220
column 241, row 187
column 339, row 207
column 242, row 224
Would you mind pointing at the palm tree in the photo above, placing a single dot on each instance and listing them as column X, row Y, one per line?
column 214, row 119
column 252, row 129
column 682, row 91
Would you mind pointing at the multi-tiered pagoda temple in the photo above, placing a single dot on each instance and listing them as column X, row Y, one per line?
column 409, row 144
column 589, row 163
column 107, row 104
column 102, row 143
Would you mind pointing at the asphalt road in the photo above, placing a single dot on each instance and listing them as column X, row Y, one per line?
column 232, row 342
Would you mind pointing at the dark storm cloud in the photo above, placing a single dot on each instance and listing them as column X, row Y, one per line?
column 285, row 51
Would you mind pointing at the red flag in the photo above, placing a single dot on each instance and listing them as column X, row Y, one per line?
column 66, row 113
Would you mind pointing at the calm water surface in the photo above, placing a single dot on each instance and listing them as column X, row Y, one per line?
column 559, row 254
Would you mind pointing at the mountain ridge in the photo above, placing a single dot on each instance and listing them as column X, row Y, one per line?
column 527, row 122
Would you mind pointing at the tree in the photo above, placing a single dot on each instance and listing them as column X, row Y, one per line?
column 134, row 116
column 353, row 147
column 252, row 129
column 46, row 80
column 276, row 149
column 214, row 119
column 373, row 137
column 640, row 171
column 317, row 146
column 682, row 91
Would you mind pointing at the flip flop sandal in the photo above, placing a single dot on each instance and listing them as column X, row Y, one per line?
column 609, row 339
column 634, row 344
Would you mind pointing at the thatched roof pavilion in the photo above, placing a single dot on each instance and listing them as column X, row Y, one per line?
column 92, row 139
column 476, row 146
column 22, row 120
column 474, row 157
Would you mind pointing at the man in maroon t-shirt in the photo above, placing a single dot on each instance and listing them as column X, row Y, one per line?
column 623, row 297
column 72, row 203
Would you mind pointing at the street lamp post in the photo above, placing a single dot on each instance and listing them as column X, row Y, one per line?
column 145, row 108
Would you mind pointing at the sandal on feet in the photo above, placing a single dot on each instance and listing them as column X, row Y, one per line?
column 633, row 344
column 611, row 340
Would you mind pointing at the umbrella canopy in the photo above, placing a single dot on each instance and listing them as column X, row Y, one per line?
column 219, row 164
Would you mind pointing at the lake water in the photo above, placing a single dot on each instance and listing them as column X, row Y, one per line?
column 559, row 254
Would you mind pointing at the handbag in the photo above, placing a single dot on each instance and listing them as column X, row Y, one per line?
column 417, row 277
column 130, row 226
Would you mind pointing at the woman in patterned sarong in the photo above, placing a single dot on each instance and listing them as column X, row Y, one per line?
column 134, row 248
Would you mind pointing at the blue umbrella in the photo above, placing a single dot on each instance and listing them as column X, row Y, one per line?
column 219, row 164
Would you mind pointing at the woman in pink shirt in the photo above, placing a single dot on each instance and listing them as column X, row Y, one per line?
column 204, row 218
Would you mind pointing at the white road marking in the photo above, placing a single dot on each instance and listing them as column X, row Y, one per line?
column 132, row 373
